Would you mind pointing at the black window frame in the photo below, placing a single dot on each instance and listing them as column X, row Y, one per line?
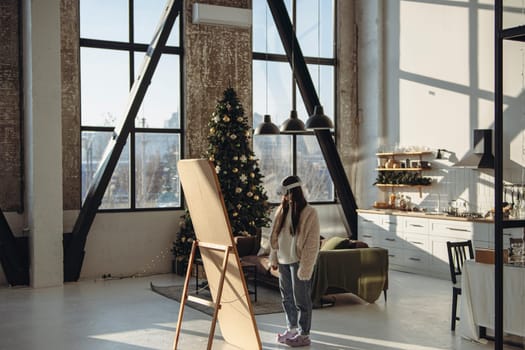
column 320, row 61
column 132, row 48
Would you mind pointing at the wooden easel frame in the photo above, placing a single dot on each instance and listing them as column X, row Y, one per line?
column 185, row 297
column 233, row 310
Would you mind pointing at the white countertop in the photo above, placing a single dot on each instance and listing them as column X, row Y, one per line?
column 427, row 215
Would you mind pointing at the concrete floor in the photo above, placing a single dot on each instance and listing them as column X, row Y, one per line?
column 125, row 314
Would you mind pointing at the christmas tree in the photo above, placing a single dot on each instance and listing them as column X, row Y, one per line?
column 182, row 245
column 236, row 166
column 238, row 172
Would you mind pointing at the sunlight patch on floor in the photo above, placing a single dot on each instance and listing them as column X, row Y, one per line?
column 148, row 338
column 371, row 341
column 140, row 337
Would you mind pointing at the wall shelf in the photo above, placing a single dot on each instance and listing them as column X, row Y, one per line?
column 399, row 185
column 403, row 169
column 393, row 187
column 399, row 154
column 394, row 163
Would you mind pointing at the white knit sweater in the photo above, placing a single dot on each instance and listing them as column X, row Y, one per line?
column 307, row 242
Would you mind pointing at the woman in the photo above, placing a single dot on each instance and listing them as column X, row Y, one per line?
column 294, row 247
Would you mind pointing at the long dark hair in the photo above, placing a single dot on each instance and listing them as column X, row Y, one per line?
column 298, row 202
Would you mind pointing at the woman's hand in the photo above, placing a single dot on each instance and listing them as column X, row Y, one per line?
column 302, row 275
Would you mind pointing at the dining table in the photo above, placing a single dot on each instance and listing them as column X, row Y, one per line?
column 477, row 300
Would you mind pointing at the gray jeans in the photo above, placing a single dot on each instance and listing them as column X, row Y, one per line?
column 297, row 301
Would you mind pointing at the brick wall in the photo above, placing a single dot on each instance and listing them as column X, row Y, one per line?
column 10, row 117
column 215, row 58
column 70, row 104
column 11, row 151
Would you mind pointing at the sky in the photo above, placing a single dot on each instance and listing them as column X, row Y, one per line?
column 105, row 73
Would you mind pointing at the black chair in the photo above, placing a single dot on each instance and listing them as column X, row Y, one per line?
column 457, row 254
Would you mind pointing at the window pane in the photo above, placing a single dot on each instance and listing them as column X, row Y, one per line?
column 161, row 105
column 104, row 86
column 276, row 97
column 147, row 16
column 312, row 170
column 104, row 20
column 272, row 94
column 117, row 192
column 325, row 90
column 157, row 180
column 265, row 35
column 315, row 27
column 275, row 161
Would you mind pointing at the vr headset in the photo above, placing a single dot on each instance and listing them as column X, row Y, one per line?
column 282, row 190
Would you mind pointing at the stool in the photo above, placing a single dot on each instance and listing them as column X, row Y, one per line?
column 250, row 275
column 249, row 271
column 198, row 263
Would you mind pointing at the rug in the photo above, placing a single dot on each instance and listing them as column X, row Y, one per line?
column 268, row 299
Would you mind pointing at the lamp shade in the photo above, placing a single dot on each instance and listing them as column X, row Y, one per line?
column 319, row 120
column 293, row 124
column 266, row 127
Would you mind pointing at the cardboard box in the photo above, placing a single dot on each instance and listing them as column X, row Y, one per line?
column 488, row 256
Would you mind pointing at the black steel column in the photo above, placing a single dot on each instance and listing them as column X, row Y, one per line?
column 337, row 172
column 498, row 175
column 289, row 41
column 75, row 242
column 13, row 255
column 311, row 99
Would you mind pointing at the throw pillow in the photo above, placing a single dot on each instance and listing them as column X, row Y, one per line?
column 335, row 242
column 357, row 244
column 265, row 242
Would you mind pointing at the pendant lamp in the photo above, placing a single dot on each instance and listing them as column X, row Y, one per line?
column 293, row 124
column 319, row 120
column 266, row 127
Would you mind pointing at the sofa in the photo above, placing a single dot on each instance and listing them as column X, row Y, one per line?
column 343, row 266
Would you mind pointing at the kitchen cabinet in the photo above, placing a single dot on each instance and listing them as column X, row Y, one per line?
column 416, row 244
column 442, row 231
column 419, row 244
column 382, row 231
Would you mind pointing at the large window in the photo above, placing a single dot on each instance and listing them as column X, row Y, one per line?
column 114, row 37
column 275, row 93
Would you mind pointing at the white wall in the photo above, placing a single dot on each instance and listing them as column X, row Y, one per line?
column 126, row 244
column 437, row 74
column 120, row 244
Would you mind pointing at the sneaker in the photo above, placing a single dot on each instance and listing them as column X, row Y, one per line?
column 298, row 340
column 288, row 334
